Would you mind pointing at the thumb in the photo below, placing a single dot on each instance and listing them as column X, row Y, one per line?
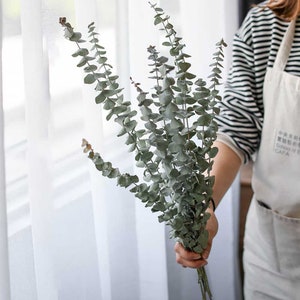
column 212, row 228
column 206, row 252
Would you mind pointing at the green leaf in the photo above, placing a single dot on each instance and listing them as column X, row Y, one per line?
column 159, row 206
column 174, row 148
column 177, row 223
column 178, row 139
column 146, row 156
column 100, row 98
column 122, row 132
column 140, row 133
column 76, row 36
column 181, row 156
column 68, row 32
column 94, row 40
column 174, row 51
column 109, row 104
column 102, row 60
column 165, row 98
column 169, row 26
column 142, row 144
column 167, row 82
column 91, row 68
column 150, row 126
column 126, row 180
column 216, row 110
column 176, row 124
column 110, row 92
column 157, row 20
column 203, row 240
column 81, row 52
column 113, row 78
column 89, row 79
column 114, row 173
column 158, row 9
column 184, row 66
column 170, row 110
column 204, row 120
column 189, row 76
column 84, row 61
column 101, row 85
column 130, row 140
column 129, row 126
column 213, row 152
column 140, row 164
column 168, row 44
column 152, row 167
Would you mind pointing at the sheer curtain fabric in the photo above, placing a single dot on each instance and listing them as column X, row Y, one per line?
column 67, row 233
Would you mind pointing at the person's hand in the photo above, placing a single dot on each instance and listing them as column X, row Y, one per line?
column 195, row 260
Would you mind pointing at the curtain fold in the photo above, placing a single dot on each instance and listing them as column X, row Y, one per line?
column 4, row 268
column 37, row 99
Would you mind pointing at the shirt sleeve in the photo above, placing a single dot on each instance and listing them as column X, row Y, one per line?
column 240, row 118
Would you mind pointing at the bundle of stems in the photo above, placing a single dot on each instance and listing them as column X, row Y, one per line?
column 171, row 135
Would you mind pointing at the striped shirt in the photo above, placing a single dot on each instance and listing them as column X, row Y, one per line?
column 255, row 46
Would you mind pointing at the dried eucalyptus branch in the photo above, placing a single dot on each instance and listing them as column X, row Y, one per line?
column 175, row 145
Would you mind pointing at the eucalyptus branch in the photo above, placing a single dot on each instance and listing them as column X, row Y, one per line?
column 179, row 57
column 176, row 154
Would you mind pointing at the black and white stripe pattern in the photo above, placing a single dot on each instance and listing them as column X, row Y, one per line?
column 255, row 46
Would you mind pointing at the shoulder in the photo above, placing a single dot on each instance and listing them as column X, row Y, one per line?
column 260, row 22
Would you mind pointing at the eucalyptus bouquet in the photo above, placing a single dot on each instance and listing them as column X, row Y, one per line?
column 171, row 137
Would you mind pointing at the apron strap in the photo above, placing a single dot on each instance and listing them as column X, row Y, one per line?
column 285, row 47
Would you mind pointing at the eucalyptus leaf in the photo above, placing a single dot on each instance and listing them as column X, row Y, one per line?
column 76, row 36
column 89, row 79
column 81, row 52
column 90, row 68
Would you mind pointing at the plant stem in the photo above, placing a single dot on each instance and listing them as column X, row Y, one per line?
column 203, row 282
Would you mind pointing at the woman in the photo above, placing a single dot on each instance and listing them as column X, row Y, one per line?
column 260, row 120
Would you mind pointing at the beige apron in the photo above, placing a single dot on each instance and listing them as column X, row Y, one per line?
column 272, row 237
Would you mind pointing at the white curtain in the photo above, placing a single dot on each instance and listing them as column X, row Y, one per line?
column 67, row 233
column 4, row 270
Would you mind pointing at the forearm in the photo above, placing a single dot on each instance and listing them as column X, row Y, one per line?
column 225, row 168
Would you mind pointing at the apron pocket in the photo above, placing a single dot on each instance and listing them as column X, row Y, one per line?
column 267, row 249
column 280, row 237
column 287, row 235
